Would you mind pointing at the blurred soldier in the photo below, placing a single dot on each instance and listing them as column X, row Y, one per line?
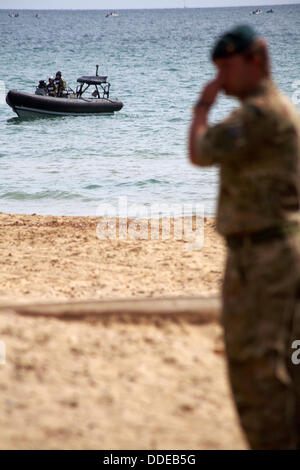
column 59, row 83
column 257, row 149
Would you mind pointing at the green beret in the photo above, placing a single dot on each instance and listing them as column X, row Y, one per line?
column 233, row 42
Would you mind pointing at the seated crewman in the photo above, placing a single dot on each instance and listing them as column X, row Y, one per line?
column 41, row 89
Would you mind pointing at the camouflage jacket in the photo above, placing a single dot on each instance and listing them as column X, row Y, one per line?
column 258, row 151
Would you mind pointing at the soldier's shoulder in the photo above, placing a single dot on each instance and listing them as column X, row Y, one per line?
column 256, row 107
column 275, row 107
column 289, row 110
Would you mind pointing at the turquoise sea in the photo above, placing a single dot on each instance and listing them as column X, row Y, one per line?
column 157, row 61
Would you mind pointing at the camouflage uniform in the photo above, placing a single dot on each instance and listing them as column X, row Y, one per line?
column 257, row 149
column 60, row 86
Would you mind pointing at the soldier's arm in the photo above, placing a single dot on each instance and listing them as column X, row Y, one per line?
column 229, row 139
column 197, row 130
column 199, row 125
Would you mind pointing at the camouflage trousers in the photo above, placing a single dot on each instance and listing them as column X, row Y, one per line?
column 261, row 319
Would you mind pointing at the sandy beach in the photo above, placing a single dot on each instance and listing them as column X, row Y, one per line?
column 111, row 382
column 61, row 258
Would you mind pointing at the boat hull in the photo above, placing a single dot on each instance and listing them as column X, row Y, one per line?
column 27, row 105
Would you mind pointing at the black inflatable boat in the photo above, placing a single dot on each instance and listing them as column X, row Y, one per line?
column 69, row 103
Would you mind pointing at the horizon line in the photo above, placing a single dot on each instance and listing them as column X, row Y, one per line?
column 157, row 8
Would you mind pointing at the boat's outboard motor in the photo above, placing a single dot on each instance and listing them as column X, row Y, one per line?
column 41, row 89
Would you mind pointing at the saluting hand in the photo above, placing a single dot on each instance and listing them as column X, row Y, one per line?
column 199, row 123
column 209, row 94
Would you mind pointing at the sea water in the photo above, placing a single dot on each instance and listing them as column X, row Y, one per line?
column 157, row 62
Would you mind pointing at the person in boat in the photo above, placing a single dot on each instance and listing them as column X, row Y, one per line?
column 41, row 89
column 51, row 87
column 59, row 83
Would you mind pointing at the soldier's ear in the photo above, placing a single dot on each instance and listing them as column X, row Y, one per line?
column 261, row 55
column 257, row 59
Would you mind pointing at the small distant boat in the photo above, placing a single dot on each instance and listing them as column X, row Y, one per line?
column 270, row 11
column 13, row 15
column 111, row 14
column 36, row 15
column 70, row 103
column 258, row 11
